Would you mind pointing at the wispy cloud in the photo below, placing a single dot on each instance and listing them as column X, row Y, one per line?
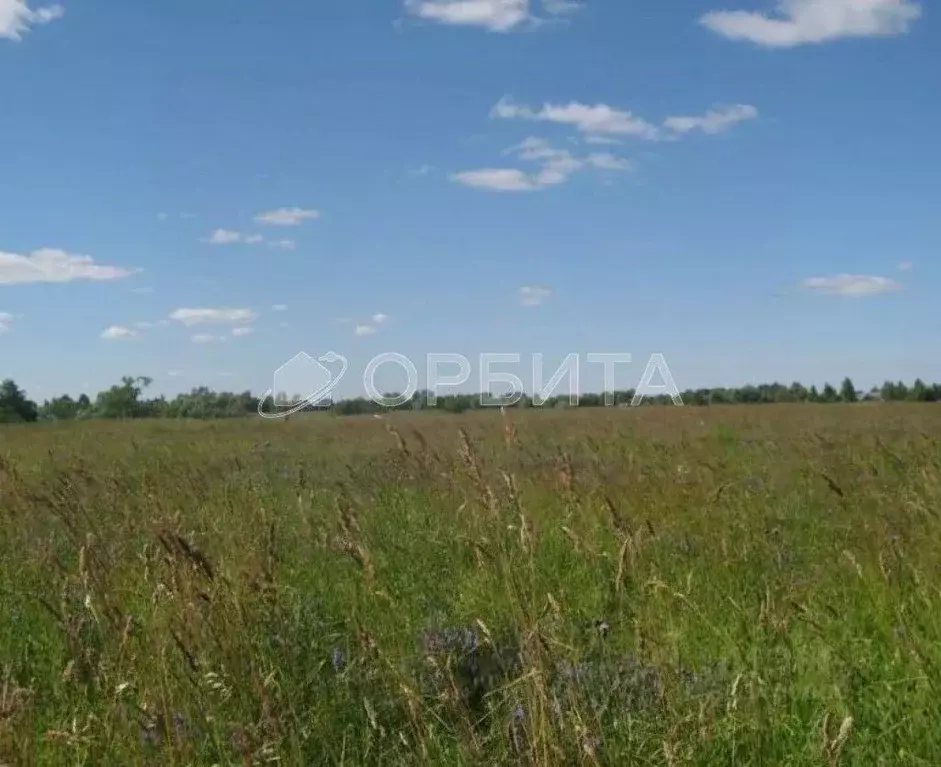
column 117, row 333
column 204, row 338
column 556, row 166
column 906, row 266
column 801, row 22
column 144, row 291
column 380, row 318
column 6, row 320
column 284, row 244
column 287, row 216
column 603, row 122
column 150, row 325
column 239, row 332
column 53, row 265
column 534, row 295
column 190, row 317
column 851, row 285
column 421, row 170
column 230, row 237
column 364, row 330
column 279, row 308
column 714, row 121
column 17, row 18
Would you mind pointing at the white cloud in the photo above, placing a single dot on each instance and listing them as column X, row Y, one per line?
column 853, row 286
column 239, row 332
column 6, row 319
column 279, row 308
column 149, row 325
column 713, row 121
column 117, row 333
column 284, row 244
column 534, row 296
column 190, row 317
column 599, row 118
column 495, row 15
column 557, row 165
column 799, row 22
column 602, row 140
column 380, row 318
column 176, row 373
column 224, row 237
column 364, row 330
column 253, row 239
column 906, row 266
column 16, row 17
column 287, row 216
column 496, row 179
column 608, row 161
column 600, row 122
column 52, row 265
column 203, row 338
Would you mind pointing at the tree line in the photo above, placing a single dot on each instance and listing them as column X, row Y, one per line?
column 126, row 400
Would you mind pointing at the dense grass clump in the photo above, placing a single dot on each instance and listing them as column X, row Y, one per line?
column 641, row 586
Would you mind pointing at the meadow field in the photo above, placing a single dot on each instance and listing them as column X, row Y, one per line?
column 643, row 586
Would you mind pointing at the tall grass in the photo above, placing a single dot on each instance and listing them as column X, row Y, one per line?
column 650, row 586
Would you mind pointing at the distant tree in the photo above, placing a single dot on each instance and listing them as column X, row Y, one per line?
column 15, row 407
column 848, row 391
column 829, row 394
column 122, row 401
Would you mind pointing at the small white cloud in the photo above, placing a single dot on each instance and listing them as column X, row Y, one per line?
column 284, row 244
column 800, row 22
column 190, row 317
column 16, row 18
column 117, row 333
column 496, row 179
column 589, row 119
column 203, row 338
column 364, row 330
column 851, row 285
column 287, row 216
column 380, row 318
column 239, row 332
column 606, row 140
column 906, row 266
column 224, row 237
column 534, row 296
column 608, row 161
column 176, row 373
column 495, row 15
column 253, row 239
column 6, row 320
column 53, row 265
column 279, row 308
column 714, row 121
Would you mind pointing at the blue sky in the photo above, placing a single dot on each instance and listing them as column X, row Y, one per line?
column 198, row 191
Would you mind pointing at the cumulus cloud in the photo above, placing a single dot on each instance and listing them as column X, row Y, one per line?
column 190, row 317
column 17, row 18
column 801, row 22
column 534, row 295
column 495, row 15
column 851, row 285
column 287, row 216
column 117, row 333
column 53, row 265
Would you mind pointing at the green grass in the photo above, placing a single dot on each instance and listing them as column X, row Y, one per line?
column 645, row 586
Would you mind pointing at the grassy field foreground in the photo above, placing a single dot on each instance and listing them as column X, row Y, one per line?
column 646, row 586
